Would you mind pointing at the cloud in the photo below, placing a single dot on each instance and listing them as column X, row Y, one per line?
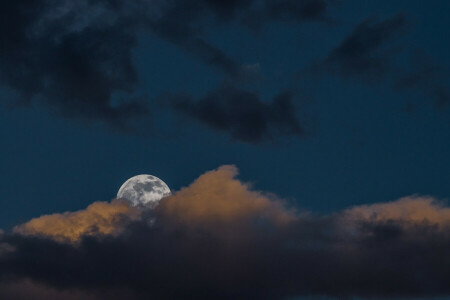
column 408, row 210
column 72, row 57
column 99, row 218
column 242, row 114
column 219, row 239
column 298, row 10
column 367, row 53
column 27, row 289
column 288, row 10
column 426, row 76
column 217, row 197
column 75, row 58
column 372, row 53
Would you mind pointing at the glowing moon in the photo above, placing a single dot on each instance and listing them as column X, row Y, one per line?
column 144, row 189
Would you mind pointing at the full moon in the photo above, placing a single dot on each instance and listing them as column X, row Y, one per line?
column 144, row 189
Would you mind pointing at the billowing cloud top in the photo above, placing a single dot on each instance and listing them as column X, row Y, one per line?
column 216, row 197
column 219, row 239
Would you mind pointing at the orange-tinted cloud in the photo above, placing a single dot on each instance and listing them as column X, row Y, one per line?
column 217, row 197
column 407, row 210
column 98, row 218
column 219, row 239
column 218, row 200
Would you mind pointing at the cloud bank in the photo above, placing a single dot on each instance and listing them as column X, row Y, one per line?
column 218, row 238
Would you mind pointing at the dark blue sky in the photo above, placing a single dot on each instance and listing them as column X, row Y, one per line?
column 364, row 140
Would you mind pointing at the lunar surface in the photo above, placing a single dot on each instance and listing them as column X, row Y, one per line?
column 144, row 189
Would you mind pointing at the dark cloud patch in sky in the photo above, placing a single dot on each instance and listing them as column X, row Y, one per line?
column 72, row 65
column 182, row 23
column 303, row 10
column 372, row 53
column 300, row 10
column 428, row 77
column 367, row 52
column 288, row 10
column 76, row 57
column 242, row 114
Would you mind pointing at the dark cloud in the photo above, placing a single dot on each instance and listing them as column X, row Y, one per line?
column 27, row 289
column 367, row 53
column 428, row 77
column 58, row 53
column 76, row 57
column 180, row 23
column 242, row 114
column 218, row 239
column 299, row 10
column 372, row 53
column 289, row 10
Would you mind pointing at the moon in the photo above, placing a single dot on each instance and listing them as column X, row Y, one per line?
column 144, row 189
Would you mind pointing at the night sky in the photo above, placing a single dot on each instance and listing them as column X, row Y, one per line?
column 293, row 127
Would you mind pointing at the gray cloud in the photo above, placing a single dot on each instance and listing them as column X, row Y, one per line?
column 367, row 52
column 372, row 53
column 241, row 114
column 76, row 57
